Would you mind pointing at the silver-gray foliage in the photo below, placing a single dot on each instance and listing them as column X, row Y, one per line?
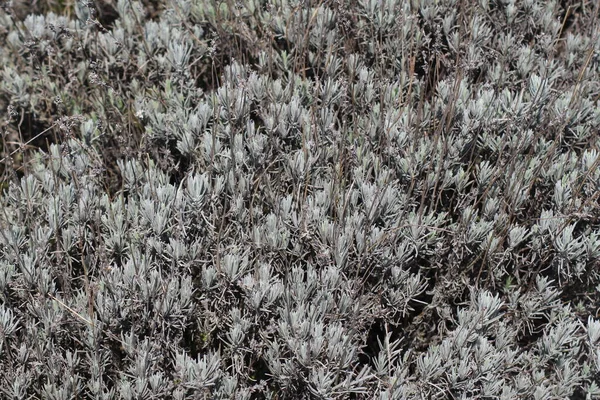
column 300, row 200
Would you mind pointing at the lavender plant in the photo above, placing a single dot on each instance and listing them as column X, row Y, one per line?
column 299, row 200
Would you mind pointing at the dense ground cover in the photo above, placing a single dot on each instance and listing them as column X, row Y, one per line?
column 300, row 199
